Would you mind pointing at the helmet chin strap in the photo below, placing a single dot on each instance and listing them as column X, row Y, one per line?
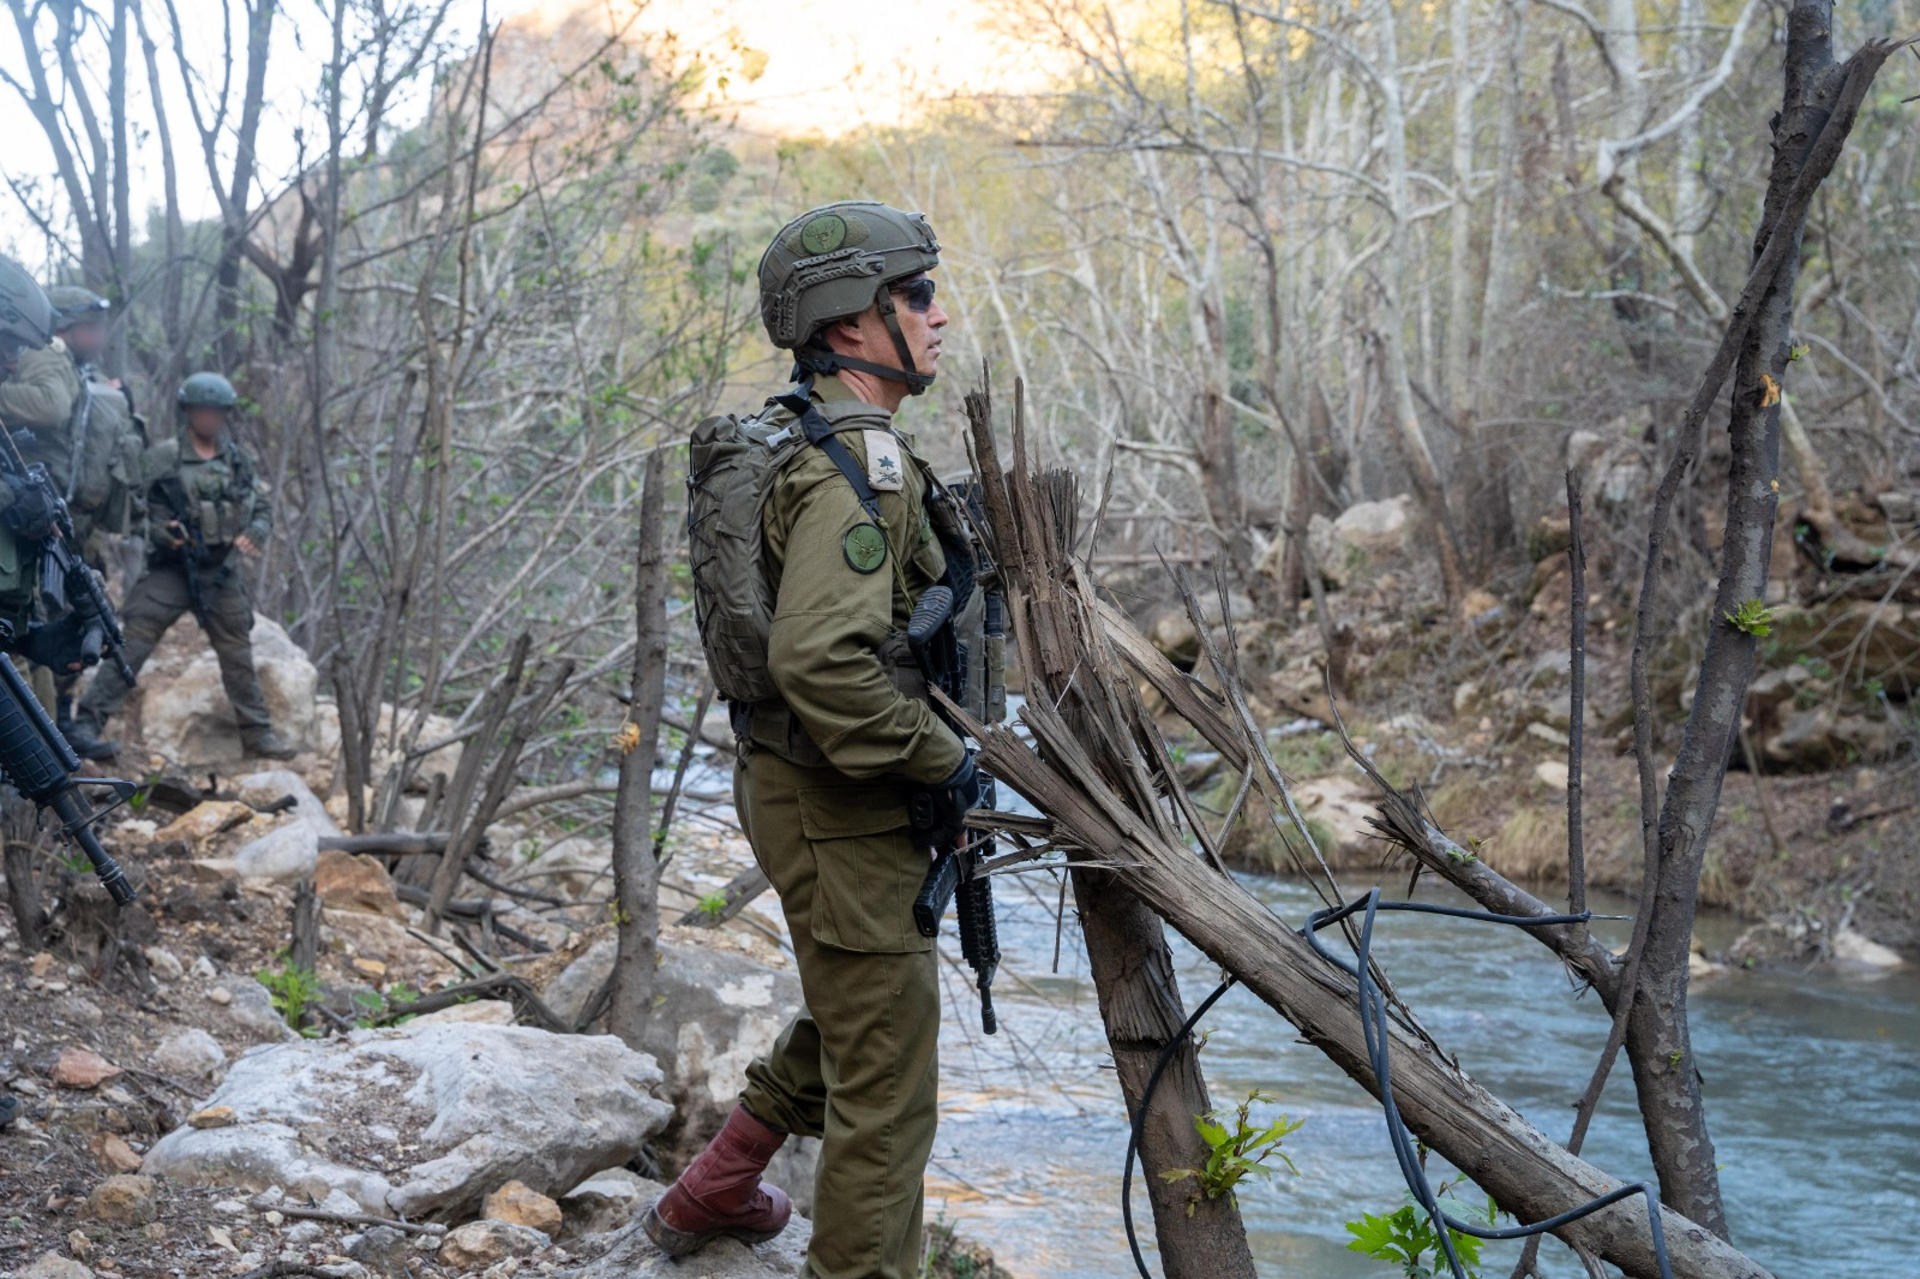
column 826, row 362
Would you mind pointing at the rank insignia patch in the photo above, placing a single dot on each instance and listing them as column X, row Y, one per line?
column 886, row 466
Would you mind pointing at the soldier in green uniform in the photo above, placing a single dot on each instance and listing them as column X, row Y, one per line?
column 204, row 510
column 827, row 766
column 92, row 453
column 26, row 327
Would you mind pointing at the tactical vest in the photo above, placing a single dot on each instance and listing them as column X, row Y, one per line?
column 219, row 490
column 733, row 464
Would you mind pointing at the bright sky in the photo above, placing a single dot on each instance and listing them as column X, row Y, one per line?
column 791, row 67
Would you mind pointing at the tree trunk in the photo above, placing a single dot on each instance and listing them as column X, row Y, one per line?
column 1199, row 1238
column 1396, row 374
column 636, row 874
column 1659, row 1044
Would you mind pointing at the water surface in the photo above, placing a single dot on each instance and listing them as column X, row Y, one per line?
column 1809, row 1081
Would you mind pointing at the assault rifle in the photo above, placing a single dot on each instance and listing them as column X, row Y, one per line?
column 66, row 579
column 193, row 545
column 956, row 867
column 37, row 761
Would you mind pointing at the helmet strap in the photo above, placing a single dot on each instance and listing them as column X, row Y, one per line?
column 917, row 382
column 811, row 360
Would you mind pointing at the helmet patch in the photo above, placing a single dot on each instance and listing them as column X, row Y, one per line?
column 824, row 234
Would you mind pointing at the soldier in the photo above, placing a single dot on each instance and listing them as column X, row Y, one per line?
column 828, row 765
column 203, row 506
column 32, row 382
column 92, row 455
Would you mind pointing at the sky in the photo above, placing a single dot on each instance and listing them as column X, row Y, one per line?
column 789, row 67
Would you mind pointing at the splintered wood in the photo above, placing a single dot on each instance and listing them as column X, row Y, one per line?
column 1099, row 769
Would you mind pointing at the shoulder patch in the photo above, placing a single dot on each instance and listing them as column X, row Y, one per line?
column 865, row 547
column 886, row 462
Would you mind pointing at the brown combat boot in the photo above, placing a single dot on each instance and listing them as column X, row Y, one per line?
column 721, row 1193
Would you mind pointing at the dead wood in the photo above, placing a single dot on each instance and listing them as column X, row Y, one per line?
column 1106, row 797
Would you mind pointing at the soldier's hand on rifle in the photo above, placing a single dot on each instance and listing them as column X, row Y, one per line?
column 29, row 513
column 175, row 534
column 939, row 812
column 245, row 544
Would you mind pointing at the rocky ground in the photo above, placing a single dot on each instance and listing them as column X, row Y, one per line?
column 165, row 1119
column 1817, row 841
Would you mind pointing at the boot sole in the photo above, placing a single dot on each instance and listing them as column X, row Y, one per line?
column 678, row 1243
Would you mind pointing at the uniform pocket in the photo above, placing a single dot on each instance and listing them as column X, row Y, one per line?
column 867, row 870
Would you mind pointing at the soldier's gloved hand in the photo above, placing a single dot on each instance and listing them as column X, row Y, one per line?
column 29, row 513
column 939, row 812
column 60, row 645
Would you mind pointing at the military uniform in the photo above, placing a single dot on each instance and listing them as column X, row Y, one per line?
column 858, row 1066
column 36, row 404
column 814, row 535
column 223, row 501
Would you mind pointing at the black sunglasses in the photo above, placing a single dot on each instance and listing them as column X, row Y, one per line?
column 918, row 293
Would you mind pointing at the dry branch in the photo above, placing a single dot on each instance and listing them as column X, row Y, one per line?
column 1107, row 805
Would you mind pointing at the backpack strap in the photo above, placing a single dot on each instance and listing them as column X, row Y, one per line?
column 820, row 433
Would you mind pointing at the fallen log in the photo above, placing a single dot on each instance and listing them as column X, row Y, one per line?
column 1107, row 801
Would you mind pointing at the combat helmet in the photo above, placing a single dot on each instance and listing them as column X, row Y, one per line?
column 26, row 319
column 74, row 305
column 208, row 390
column 833, row 262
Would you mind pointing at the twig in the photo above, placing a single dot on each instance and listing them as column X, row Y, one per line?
column 361, row 1219
column 433, row 945
column 1576, row 702
column 660, row 854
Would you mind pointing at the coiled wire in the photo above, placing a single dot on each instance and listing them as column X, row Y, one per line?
column 1373, row 1024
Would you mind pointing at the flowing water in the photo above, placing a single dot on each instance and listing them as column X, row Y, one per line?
column 1810, row 1083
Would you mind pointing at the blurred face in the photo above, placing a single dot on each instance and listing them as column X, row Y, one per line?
column 206, row 421
column 9, row 357
column 86, row 340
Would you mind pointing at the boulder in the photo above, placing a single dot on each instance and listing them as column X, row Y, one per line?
column 250, row 1009
column 605, row 1201
column 203, row 821
column 113, row 1154
column 631, row 1255
column 482, row 1243
column 179, row 709
column 1338, row 806
column 124, row 1200
column 189, row 1053
column 286, row 852
column 483, row 1012
column 51, row 1265
column 486, row 1105
column 518, row 1204
column 82, row 1068
column 384, row 1251
column 349, row 881
column 436, row 728
column 262, row 789
column 571, row 866
column 1855, row 951
column 1363, row 540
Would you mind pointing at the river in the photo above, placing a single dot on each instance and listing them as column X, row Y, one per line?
column 1810, row 1082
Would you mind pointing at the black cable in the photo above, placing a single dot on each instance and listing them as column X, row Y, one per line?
column 1140, row 1119
column 1373, row 1024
